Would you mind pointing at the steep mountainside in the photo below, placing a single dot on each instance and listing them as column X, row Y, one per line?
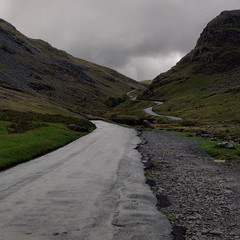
column 205, row 84
column 38, row 77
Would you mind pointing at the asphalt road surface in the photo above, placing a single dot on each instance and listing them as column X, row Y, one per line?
column 151, row 112
column 93, row 188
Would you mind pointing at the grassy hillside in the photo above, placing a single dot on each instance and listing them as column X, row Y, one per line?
column 205, row 85
column 43, row 91
column 36, row 76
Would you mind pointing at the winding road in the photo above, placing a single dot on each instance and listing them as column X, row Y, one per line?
column 151, row 112
column 93, row 188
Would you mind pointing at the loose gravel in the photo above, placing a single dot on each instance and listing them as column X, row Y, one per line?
column 200, row 197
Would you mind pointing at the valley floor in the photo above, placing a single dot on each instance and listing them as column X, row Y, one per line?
column 200, row 197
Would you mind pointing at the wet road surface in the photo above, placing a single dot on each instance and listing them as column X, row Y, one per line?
column 151, row 112
column 93, row 188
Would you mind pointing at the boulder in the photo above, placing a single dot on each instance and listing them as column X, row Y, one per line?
column 147, row 124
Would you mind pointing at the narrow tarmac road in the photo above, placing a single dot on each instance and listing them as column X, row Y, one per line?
column 93, row 188
column 151, row 112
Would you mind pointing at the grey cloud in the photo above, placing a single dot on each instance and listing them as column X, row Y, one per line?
column 140, row 38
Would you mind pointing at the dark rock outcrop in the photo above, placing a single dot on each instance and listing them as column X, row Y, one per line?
column 224, row 29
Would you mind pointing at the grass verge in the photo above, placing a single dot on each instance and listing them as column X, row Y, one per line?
column 212, row 148
column 30, row 139
column 231, row 156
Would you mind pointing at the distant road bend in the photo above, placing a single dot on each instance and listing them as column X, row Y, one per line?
column 150, row 111
column 93, row 188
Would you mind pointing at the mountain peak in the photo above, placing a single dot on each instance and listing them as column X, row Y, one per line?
column 231, row 12
column 224, row 29
column 205, row 83
column 6, row 26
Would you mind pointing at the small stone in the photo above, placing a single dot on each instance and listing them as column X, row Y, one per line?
column 227, row 145
column 205, row 231
column 192, row 218
column 216, row 232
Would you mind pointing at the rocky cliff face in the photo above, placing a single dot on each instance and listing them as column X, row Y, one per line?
column 36, row 70
column 218, row 48
column 224, row 29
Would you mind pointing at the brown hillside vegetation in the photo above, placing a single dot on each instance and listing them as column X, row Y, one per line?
column 34, row 76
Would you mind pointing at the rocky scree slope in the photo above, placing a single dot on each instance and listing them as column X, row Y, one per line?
column 36, row 76
column 205, row 84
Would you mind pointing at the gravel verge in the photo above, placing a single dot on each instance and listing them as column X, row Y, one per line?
column 200, row 197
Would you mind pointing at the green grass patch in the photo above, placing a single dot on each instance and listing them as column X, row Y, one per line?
column 132, row 113
column 115, row 101
column 169, row 215
column 131, row 108
column 26, row 135
column 21, row 147
column 18, row 116
column 150, row 174
column 215, row 151
column 205, row 98
column 212, row 148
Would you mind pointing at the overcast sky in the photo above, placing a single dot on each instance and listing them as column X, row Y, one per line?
column 139, row 38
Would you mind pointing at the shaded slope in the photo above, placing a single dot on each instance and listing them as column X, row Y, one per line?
column 36, row 76
column 205, row 84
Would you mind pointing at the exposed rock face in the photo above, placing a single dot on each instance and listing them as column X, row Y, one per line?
column 224, row 29
column 217, row 49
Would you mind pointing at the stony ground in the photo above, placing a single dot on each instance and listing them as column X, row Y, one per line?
column 200, row 197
